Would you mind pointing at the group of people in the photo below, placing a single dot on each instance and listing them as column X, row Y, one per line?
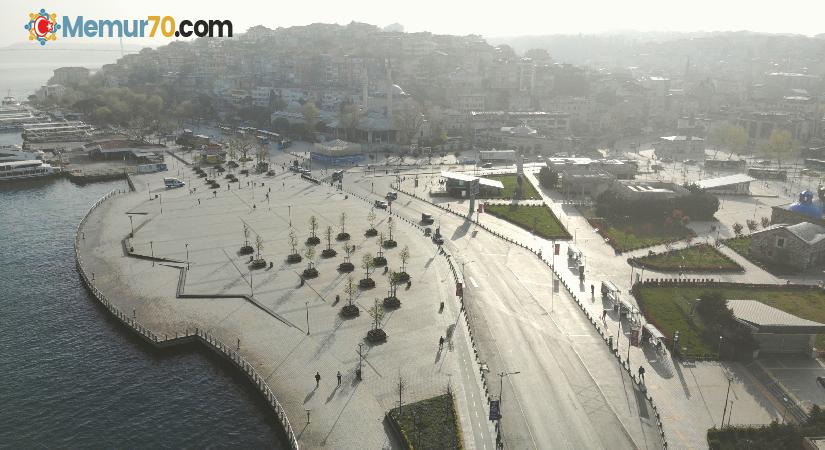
column 318, row 378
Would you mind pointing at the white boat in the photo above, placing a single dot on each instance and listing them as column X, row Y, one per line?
column 26, row 170
column 16, row 153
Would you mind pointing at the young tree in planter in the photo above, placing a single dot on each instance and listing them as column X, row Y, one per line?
column 350, row 310
column 329, row 252
column 313, row 226
column 246, row 249
column 371, row 219
column 380, row 260
column 404, row 256
column 376, row 334
column 343, row 235
column 392, row 299
column 389, row 243
column 311, row 271
column 259, row 246
column 347, row 265
column 766, row 222
column 752, row 225
column 737, row 228
column 368, row 265
column 293, row 244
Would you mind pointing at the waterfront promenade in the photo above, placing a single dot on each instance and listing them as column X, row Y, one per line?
column 181, row 273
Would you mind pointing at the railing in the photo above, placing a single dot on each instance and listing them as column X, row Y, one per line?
column 201, row 336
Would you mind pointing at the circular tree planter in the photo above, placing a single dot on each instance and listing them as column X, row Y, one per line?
column 328, row 253
column 379, row 261
column 366, row 283
column 310, row 273
column 247, row 250
column 342, row 237
column 392, row 302
column 258, row 264
column 403, row 277
column 377, row 335
column 350, row 311
column 313, row 240
column 371, row 232
column 293, row 258
column 346, row 267
column 390, row 244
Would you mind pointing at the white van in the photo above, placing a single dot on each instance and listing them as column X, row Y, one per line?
column 172, row 183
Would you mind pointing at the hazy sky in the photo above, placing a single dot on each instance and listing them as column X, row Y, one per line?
column 489, row 18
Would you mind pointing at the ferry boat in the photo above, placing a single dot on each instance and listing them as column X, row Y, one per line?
column 16, row 153
column 26, row 170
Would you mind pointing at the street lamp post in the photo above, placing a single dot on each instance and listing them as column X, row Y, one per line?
column 152, row 249
column 725, row 409
column 187, row 252
column 132, row 225
column 360, row 345
column 307, row 318
column 289, row 208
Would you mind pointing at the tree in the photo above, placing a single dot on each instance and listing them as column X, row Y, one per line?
column 371, row 219
column 309, row 252
column 404, row 256
column 293, row 242
column 313, row 225
column 766, row 222
column 737, row 228
column 377, row 314
column 245, row 235
column 548, row 178
column 348, row 118
column 329, row 237
column 732, row 138
column 350, row 289
column 408, row 119
column 367, row 264
column 390, row 227
column 780, row 146
column 311, row 114
column 259, row 246
column 752, row 225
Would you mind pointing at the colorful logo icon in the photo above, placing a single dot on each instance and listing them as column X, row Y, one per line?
column 42, row 26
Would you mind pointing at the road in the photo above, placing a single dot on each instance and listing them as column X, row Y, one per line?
column 570, row 392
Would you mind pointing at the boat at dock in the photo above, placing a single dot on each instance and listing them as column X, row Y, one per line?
column 26, row 170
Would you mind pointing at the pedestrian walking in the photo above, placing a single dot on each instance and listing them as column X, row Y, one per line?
column 441, row 342
column 604, row 316
column 339, row 378
column 199, row 201
column 642, row 374
column 317, row 379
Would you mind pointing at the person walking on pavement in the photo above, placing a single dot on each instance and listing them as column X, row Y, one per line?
column 317, row 379
column 604, row 316
column 642, row 374
column 441, row 342
column 339, row 378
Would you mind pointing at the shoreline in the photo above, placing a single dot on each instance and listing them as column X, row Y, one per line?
column 203, row 338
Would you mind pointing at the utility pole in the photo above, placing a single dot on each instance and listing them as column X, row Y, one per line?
column 307, row 318
column 360, row 346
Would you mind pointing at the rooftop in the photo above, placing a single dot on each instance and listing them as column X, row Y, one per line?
column 766, row 318
column 727, row 180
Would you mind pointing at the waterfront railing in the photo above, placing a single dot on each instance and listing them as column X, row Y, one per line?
column 199, row 335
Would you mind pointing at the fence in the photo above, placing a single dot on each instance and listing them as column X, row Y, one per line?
column 198, row 335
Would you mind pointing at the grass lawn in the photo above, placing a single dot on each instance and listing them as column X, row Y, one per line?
column 668, row 307
column 742, row 245
column 697, row 258
column 532, row 218
column 509, row 181
column 430, row 423
column 635, row 236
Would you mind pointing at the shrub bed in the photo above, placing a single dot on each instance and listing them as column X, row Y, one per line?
column 246, row 250
column 342, row 237
column 313, row 240
column 366, row 283
column 328, row 253
column 429, row 424
column 538, row 219
column 697, row 258
column 350, row 311
column 403, row 277
column 258, row 264
column 371, row 232
column 310, row 273
column 346, row 267
column 379, row 261
column 294, row 258
column 376, row 335
column 392, row 302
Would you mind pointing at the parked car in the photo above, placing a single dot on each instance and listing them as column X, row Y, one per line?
column 392, row 195
column 487, row 165
column 380, row 204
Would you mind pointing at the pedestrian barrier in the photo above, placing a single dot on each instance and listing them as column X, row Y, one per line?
column 198, row 336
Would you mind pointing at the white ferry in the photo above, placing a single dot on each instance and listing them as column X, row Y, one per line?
column 16, row 153
column 26, row 170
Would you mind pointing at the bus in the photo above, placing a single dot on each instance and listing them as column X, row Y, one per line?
column 768, row 174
